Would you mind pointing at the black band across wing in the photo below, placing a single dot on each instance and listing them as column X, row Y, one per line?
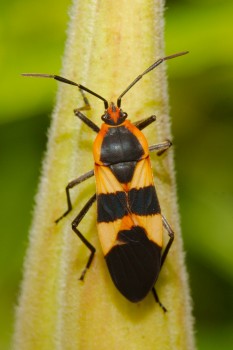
column 144, row 201
column 111, row 206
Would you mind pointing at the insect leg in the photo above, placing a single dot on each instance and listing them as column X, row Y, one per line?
column 71, row 185
column 161, row 147
column 87, row 105
column 141, row 124
column 166, row 250
column 171, row 239
column 81, row 116
column 86, row 120
column 157, row 299
column 75, row 223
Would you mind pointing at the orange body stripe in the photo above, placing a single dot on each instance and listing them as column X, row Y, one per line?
column 108, row 231
column 143, row 175
column 106, row 182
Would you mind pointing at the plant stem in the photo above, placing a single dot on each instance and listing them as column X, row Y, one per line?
column 108, row 45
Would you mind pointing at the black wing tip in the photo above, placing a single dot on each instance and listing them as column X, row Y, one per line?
column 134, row 265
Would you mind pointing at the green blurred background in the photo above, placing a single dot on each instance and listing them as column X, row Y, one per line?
column 32, row 36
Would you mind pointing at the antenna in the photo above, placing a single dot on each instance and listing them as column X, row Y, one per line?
column 158, row 62
column 66, row 81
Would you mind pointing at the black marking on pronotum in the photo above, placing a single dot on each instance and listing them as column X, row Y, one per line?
column 120, row 145
column 144, row 201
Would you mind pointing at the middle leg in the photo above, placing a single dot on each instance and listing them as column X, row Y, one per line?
column 70, row 185
column 75, row 224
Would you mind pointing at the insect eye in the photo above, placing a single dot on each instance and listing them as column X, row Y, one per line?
column 125, row 115
column 105, row 116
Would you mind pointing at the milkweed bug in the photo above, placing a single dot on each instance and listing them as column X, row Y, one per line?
column 129, row 218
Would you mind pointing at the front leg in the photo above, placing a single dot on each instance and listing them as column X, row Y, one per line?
column 141, row 124
column 86, row 120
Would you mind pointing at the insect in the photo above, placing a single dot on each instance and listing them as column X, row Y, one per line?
column 129, row 219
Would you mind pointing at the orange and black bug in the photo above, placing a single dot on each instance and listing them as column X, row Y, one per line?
column 129, row 218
